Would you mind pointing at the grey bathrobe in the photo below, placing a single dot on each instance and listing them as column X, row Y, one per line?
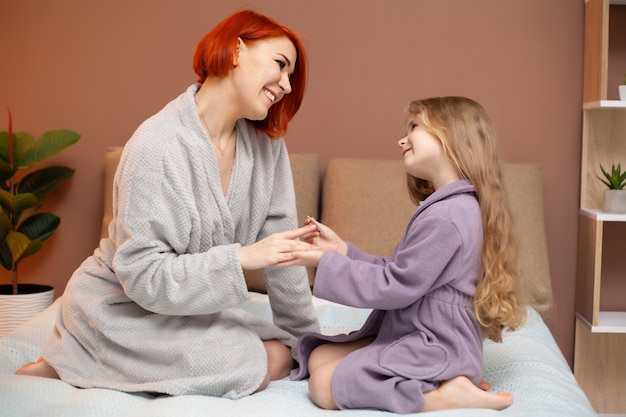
column 155, row 307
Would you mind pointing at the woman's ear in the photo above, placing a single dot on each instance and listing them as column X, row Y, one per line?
column 240, row 45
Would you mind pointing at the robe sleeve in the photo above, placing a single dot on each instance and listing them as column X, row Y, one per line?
column 287, row 287
column 418, row 262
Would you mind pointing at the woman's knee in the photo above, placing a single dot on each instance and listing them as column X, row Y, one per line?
column 279, row 360
column 264, row 384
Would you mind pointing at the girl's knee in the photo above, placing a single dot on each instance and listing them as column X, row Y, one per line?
column 317, row 357
column 332, row 352
column 320, row 387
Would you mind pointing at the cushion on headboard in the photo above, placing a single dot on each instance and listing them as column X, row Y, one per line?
column 306, row 178
column 366, row 202
column 111, row 160
column 524, row 186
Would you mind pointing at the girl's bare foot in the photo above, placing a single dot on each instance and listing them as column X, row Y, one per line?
column 484, row 385
column 460, row 392
column 38, row 368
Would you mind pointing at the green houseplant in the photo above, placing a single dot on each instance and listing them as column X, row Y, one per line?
column 23, row 228
column 622, row 89
column 615, row 195
column 614, row 180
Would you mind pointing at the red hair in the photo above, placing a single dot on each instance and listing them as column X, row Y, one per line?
column 216, row 51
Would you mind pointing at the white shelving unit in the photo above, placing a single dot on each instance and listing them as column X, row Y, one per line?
column 605, row 104
column 603, row 216
column 599, row 353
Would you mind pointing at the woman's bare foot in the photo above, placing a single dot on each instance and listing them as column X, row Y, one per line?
column 38, row 368
column 460, row 392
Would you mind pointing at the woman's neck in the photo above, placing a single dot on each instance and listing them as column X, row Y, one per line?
column 215, row 110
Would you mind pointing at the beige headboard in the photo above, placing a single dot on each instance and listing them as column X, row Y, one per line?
column 366, row 202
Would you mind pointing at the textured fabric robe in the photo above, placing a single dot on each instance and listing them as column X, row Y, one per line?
column 155, row 307
column 423, row 319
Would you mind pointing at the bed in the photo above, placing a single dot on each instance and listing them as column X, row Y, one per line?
column 527, row 363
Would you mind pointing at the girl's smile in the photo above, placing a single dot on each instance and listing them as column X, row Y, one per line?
column 423, row 157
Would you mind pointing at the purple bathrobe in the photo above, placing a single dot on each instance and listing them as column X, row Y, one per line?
column 423, row 319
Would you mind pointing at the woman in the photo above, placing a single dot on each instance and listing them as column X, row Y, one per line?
column 203, row 192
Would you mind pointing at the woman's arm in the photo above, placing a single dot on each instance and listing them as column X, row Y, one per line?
column 288, row 288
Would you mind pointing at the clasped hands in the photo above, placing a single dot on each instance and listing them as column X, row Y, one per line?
column 302, row 246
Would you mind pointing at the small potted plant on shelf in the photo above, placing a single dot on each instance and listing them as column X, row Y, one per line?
column 615, row 196
column 23, row 228
column 622, row 89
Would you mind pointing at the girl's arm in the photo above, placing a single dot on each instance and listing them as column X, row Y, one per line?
column 424, row 259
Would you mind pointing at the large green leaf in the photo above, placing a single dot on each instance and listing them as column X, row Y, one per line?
column 39, row 226
column 28, row 240
column 23, row 142
column 18, row 203
column 43, row 181
column 5, row 173
column 5, row 226
column 50, row 143
column 21, row 246
column 5, row 256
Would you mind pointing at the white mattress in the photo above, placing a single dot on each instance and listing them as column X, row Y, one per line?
column 527, row 363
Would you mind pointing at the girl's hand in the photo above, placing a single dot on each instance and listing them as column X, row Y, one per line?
column 276, row 249
column 321, row 238
column 324, row 237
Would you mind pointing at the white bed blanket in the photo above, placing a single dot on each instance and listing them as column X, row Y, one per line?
column 527, row 363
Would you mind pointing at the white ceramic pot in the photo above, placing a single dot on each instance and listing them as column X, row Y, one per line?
column 615, row 201
column 16, row 309
column 622, row 92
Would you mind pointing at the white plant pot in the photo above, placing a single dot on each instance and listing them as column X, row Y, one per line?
column 615, row 201
column 16, row 309
column 622, row 92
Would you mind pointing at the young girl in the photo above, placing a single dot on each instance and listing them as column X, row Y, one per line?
column 449, row 283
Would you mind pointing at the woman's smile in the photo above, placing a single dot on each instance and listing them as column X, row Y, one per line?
column 270, row 95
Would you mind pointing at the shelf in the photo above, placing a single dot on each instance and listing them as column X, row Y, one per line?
column 605, row 104
column 600, row 215
column 608, row 322
column 600, row 343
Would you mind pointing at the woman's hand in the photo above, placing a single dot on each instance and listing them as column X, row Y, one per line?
column 276, row 249
column 321, row 238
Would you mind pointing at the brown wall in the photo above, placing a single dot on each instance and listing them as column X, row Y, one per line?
column 102, row 67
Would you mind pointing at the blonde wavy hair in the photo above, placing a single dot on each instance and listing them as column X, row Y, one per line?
column 468, row 138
